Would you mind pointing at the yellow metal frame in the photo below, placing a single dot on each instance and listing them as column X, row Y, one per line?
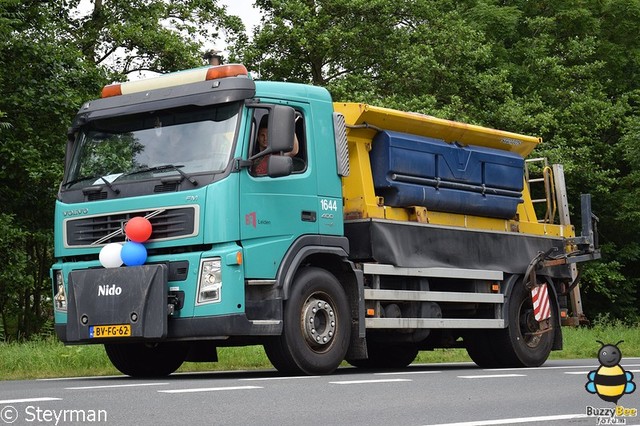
column 360, row 201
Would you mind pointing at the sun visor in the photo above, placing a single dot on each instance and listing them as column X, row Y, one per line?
column 197, row 94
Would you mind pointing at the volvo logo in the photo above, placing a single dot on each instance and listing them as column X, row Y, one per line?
column 109, row 290
column 76, row 212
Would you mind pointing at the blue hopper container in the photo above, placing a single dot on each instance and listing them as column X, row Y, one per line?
column 410, row 170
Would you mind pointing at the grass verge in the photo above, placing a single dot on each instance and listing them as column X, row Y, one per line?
column 49, row 358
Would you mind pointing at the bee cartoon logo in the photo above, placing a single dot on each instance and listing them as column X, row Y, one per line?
column 610, row 381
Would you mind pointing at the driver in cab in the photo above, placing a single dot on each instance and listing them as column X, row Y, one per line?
column 260, row 167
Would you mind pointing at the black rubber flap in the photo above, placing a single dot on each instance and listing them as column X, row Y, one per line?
column 417, row 245
column 134, row 296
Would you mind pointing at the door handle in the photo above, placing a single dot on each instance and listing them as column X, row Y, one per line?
column 308, row 216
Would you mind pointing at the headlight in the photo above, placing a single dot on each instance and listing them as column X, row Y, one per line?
column 60, row 298
column 210, row 282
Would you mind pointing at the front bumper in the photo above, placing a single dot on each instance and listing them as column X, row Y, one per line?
column 214, row 327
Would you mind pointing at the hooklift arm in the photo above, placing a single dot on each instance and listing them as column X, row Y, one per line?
column 587, row 244
column 587, row 249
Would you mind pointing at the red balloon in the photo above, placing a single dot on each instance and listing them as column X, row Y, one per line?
column 138, row 229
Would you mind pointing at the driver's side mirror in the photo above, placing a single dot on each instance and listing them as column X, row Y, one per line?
column 280, row 139
column 281, row 129
column 279, row 166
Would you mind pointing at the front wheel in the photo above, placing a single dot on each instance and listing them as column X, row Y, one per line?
column 317, row 326
column 146, row 359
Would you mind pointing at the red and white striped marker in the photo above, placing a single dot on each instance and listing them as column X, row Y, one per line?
column 541, row 306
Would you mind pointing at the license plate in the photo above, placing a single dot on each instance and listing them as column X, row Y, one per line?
column 118, row 330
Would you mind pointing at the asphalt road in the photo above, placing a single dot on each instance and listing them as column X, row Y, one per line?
column 434, row 394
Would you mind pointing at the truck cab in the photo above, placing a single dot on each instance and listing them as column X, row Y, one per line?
column 181, row 153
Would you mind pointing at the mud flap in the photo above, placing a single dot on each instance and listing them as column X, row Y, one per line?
column 129, row 298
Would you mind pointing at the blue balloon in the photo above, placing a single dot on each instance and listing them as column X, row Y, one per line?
column 133, row 254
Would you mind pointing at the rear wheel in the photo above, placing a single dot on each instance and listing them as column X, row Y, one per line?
column 523, row 343
column 381, row 355
column 317, row 326
column 480, row 345
column 147, row 359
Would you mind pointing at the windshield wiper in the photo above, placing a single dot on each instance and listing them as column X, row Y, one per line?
column 110, row 185
column 165, row 167
column 94, row 177
column 80, row 179
column 83, row 178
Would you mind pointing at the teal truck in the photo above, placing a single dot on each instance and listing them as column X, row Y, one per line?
column 371, row 235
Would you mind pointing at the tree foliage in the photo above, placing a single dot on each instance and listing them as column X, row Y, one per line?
column 127, row 36
column 53, row 57
column 563, row 70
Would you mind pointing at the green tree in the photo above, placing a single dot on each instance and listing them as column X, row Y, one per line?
column 562, row 65
column 126, row 36
column 52, row 59
column 316, row 41
column 43, row 80
column 563, row 70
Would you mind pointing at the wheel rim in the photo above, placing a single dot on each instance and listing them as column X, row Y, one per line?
column 318, row 322
column 529, row 327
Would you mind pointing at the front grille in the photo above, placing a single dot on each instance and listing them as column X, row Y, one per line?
column 169, row 224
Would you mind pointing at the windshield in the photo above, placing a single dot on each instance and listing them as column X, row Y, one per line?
column 119, row 149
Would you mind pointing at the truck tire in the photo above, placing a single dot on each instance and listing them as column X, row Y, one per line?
column 317, row 326
column 480, row 345
column 146, row 360
column 382, row 356
column 517, row 346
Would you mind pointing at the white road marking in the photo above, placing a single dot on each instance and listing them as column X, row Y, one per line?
column 516, row 420
column 492, row 376
column 406, row 372
column 131, row 385
column 595, row 365
column 210, row 389
column 17, row 401
column 358, row 382
column 53, row 379
column 595, row 368
column 443, row 364
column 215, row 372
column 279, row 378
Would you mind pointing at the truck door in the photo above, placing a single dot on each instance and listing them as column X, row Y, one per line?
column 275, row 211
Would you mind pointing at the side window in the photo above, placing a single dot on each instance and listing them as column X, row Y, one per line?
column 300, row 160
column 259, row 141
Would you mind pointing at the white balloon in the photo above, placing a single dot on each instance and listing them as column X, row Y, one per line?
column 110, row 255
